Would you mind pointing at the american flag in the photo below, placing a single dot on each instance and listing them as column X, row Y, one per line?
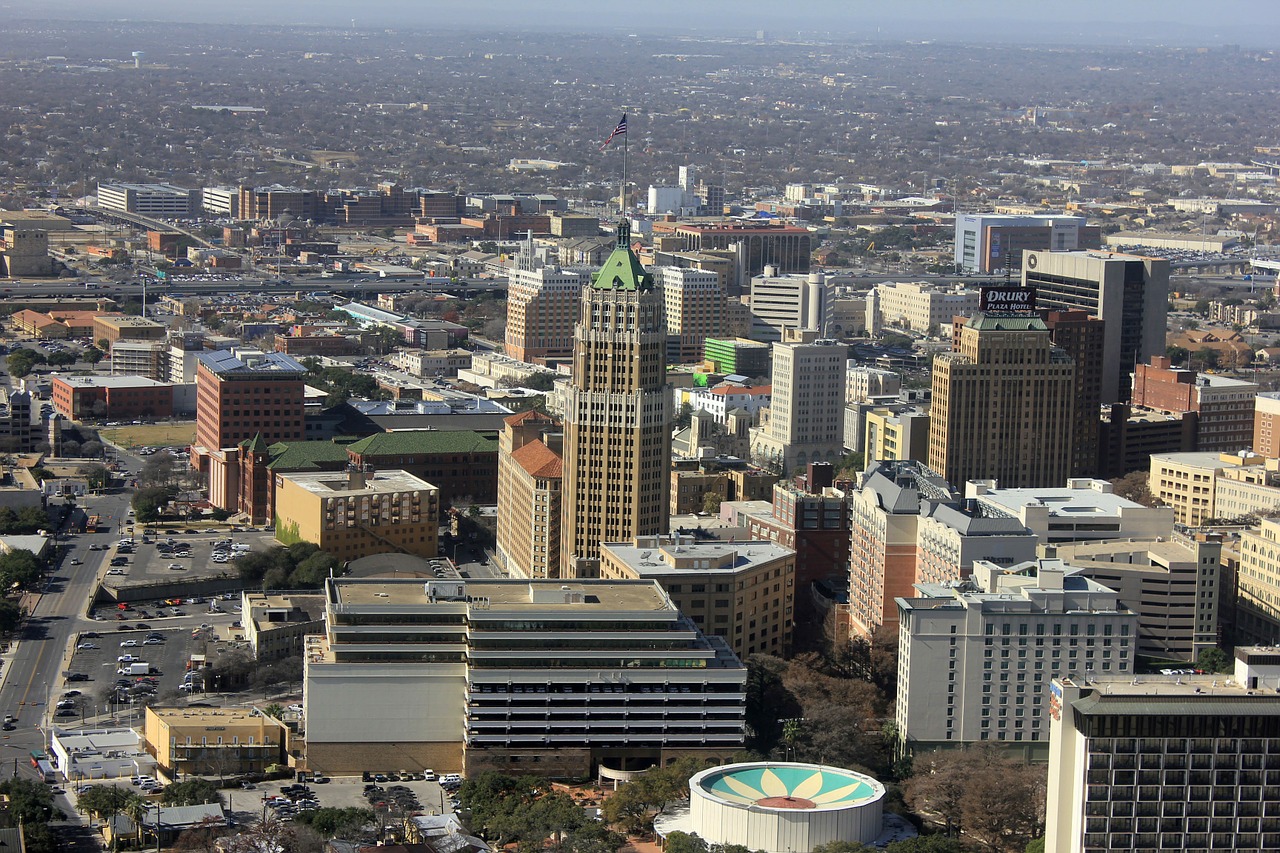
column 620, row 130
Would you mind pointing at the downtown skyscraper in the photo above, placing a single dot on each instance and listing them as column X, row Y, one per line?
column 617, row 416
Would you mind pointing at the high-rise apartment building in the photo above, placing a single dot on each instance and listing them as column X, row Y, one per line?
column 795, row 301
column 1003, row 405
column 1130, row 293
column 530, row 471
column 542, row 306
column 239, row 398
column 694, row 304
column 1152, row 762
column 805, row 415
column 975, row 658
column 617, row 414
column 1223, row 406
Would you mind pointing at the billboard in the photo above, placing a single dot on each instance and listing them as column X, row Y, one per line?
column 1006, row 299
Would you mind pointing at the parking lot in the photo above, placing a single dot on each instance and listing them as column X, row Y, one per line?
column 190, row 555
column 396, row 798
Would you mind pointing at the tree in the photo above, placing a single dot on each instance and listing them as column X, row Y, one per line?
column 1207, row 357
column 92, row 355
column 148, row 502
column 31, row 806
column 275, row 709
column 10, row 616
column 711, row 503
column 1214, row 660
column 160, row 469
column 1135, row 486
column 191, row 792
column 634, row 806
column 684, row 417
column 103, row 801
column 345, row 823
column 96, row 476
column 928, row 844
column 1036, row 846
column 998, row 802
column 1177, row 355
column 92, row 449
column 18, row 569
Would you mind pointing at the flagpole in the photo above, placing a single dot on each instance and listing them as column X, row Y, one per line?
column 622, row 196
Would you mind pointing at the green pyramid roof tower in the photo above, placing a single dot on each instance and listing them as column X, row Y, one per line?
column 622, row 269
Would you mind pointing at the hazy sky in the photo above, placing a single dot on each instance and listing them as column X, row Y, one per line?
column 1252, row 22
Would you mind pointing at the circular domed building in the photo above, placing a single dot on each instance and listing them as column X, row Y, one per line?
column 781, row 807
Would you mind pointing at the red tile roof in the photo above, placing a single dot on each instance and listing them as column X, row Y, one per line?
column 539, row 460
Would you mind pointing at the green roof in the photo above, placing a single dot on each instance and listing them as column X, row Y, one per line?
column 305, row 455
column 622, row 270
column 424, row 442
column 1006, row 323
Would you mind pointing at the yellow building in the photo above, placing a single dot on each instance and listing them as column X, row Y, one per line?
column 355, row 514
column 1258, row 583
column 213, row 741
column 894, row 436
column 1187, row 482
column 742, row 591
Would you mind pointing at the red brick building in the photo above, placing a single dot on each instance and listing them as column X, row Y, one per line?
column 111, row 397
column 1224, row 407
column 240, row 399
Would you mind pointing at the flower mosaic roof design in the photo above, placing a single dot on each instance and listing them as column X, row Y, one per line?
column 789, row 786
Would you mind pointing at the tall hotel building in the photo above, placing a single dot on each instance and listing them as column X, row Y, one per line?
column 1003, row 405
column 542, row 304
column 695, row 311
column 617, row 438
column 1130, row 293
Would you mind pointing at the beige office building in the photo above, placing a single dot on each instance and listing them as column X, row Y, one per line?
column 694, row 303
column 803, row 422
column 1257, row 616
column 542, row 303
column 617, row 414
column 742, row 591
column 918, row 307
column 1187, row 482
column 1003, row 405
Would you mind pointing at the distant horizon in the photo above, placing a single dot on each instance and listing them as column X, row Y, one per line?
column 1087, row 22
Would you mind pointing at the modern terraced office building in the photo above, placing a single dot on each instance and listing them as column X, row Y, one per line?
column 593, row 677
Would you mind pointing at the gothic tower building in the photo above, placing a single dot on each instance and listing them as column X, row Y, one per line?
column 617, row 418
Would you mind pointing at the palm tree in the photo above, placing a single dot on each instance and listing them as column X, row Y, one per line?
column 135, row 808
column 274, row 710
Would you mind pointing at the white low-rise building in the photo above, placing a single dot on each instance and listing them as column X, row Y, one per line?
column 89, row 754
column 1084, row 510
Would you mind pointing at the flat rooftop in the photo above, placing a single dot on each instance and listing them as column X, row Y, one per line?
column 207, row 716
column 110, row 381
column 328, row 483
column 624, row 596
column 128, row 322
column 1075, row 503
column 1161, row 695
column 718, row 557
